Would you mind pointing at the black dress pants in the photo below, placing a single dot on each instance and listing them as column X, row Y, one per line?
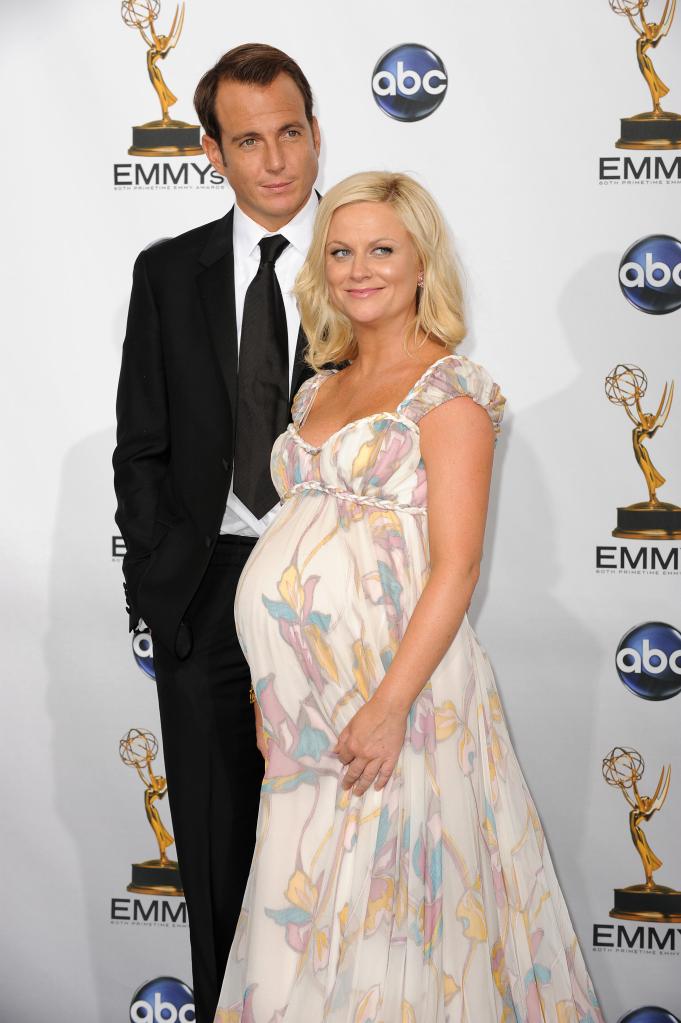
column 213, row 768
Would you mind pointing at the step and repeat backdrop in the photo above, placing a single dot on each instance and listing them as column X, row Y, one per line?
column 548, row 135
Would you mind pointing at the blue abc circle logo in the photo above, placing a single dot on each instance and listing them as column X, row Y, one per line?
column 649, row 661
column 143, row 651
column 163, row 1000
column 409, row 82
column 648, row 1014
column 650, row 274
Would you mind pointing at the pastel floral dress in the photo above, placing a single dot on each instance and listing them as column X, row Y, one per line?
column 434, row 900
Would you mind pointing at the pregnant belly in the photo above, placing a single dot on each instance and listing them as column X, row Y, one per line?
column 315, row 609
column 295, row 575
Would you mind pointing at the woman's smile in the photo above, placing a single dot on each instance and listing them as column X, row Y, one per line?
column 363, row 292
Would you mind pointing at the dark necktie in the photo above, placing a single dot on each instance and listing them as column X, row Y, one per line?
column 263, row 388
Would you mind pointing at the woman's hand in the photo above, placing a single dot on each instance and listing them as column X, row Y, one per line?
column 260, row 737
column 370, row 744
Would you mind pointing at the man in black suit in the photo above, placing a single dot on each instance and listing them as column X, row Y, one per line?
column 212, row 358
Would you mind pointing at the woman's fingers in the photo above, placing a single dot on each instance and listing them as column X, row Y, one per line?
column 383, row 775
column 367, row 776
column 362, row 772
column 347, row 748
column 340, row 742
column 354, row 771
column 344, row 755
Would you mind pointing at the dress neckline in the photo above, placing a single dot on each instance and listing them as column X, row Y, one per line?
column 395, row 414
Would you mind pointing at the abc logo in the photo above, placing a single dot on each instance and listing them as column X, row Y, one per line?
column 164, row 1000
column 409, row 82
column 648, row 1014
column 143, row 651
column 649, row 661
column 650, row 274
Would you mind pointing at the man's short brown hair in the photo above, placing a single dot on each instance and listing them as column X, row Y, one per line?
column 251, row 64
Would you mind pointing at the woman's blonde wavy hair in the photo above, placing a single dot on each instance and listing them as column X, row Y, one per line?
column 439, row 303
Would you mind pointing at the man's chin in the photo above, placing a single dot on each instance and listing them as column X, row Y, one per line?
column 284, row 204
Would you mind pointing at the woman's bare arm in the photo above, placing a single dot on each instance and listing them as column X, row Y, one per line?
column 457, row 445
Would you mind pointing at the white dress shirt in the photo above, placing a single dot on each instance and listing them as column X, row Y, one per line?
column 247, row 234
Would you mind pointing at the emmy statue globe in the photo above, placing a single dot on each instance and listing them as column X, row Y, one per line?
column 651, row 519
column 656, row 128
column 624, row 768
column 161, row 876
column 164, row 137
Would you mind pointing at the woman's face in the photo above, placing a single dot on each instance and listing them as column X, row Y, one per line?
column 371, row 264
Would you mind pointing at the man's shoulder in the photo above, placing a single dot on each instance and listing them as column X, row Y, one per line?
column 186, row 247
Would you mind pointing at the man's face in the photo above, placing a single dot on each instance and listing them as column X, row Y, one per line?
column 269, row 151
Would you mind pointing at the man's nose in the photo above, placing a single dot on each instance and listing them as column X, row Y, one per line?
column 274, row 156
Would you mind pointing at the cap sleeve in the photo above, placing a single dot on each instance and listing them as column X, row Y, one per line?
column 452, row 377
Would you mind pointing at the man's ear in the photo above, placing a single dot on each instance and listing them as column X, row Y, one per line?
column 316, row 135
column 212, row 150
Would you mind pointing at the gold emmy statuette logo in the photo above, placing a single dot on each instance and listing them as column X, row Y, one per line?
column 651, row 519
column 624, row 768
column 656, row 128
column 165, row 137
column 161, row 876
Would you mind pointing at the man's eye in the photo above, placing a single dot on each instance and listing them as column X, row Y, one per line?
column 293, row 133
column 247, row 143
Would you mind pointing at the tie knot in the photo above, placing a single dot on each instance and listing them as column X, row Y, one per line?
column 271, row 248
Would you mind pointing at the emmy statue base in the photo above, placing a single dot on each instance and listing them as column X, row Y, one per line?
column 166, row 138
column 661, row 521
column 153, row 877
column 650, row 131
column 642, row 903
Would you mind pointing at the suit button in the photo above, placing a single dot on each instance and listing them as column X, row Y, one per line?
column 207, row 541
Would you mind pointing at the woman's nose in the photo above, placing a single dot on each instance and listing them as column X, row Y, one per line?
column 359, row 269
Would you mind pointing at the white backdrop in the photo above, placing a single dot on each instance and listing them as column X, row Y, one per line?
column 512, row 154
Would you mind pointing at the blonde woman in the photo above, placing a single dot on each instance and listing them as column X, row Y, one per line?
column 400, row 872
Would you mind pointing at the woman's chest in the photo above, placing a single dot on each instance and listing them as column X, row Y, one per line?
column 377, row 456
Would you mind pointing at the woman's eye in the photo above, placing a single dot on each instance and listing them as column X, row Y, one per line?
column 383, row 250
column 340, row 253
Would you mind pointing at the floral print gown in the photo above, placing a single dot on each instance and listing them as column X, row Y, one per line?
column 433, row 900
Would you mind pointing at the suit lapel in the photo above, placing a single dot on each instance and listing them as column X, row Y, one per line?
column 216, row 287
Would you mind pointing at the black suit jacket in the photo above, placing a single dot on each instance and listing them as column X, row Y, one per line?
column 175, row 409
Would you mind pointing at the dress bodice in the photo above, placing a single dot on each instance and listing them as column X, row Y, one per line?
column 376, row 460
